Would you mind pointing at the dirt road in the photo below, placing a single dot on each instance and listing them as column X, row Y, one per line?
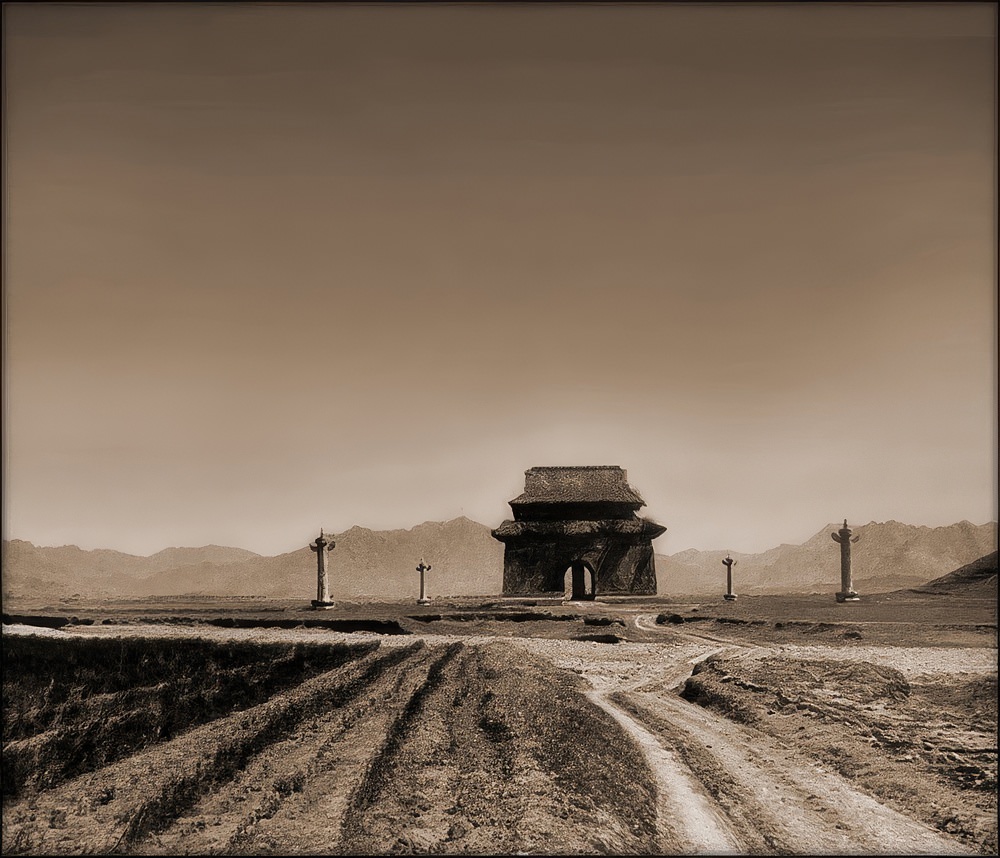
column 725, row 788
column 467, row 744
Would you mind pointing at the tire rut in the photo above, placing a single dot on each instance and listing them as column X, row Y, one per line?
column 778, row 801
column 762, row 795
column 688, row 820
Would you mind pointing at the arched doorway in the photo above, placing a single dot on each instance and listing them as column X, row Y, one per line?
column 581, row 582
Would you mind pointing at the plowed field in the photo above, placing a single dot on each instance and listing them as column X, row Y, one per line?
column 597, row 730
column 479, row 748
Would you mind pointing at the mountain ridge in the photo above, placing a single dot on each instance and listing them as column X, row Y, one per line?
column 466, row 560
column 889, row 555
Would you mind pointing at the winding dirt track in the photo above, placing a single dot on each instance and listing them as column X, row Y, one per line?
column 687, row 821
column 726, row 788
column 299, row 774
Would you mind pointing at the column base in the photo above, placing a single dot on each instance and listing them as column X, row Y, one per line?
column 729, row 597
column 423, row 601
column 321, row 604
column 849, row 596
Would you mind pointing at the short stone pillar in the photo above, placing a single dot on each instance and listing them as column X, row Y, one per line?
column 422, row 568
column 843, row 536
column 729, row 563
column 321, row 546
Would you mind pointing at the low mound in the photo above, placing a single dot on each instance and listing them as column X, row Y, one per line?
column 978, row 578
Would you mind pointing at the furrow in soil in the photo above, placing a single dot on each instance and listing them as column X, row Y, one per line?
column 117, row 807
column 291, row 797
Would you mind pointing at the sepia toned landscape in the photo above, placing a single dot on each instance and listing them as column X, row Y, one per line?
column 486, row 428
column 637, row 725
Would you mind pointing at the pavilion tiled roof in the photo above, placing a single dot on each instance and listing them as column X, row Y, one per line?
column 607, row 527
column 577, row 484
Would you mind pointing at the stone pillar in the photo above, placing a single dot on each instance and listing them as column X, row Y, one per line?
column 321, row 546
column 843, row 536
column 422, row 568
column 729, row 563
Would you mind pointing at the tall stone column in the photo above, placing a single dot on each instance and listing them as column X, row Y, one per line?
column 843, row 536
column 729, row 563
column 321, row 546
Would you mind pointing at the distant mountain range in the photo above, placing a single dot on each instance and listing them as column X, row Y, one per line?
column 466, row 560
column 888, row 556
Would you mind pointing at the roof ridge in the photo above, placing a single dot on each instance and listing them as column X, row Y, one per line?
column 576, row 468
column 575, row 484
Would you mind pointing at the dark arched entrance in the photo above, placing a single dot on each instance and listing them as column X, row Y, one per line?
column 582, row 584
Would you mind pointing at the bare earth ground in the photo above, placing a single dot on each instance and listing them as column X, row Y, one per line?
column 767, row 726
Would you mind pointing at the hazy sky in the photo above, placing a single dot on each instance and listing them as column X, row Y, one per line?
column 274, row 267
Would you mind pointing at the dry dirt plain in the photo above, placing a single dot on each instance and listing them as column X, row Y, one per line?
column 765, row 726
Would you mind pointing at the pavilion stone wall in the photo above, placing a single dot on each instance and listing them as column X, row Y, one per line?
column 572, row 517
column 623, row 565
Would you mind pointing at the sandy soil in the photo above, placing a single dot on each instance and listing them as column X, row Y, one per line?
column 488, row 741
column 735, row 788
